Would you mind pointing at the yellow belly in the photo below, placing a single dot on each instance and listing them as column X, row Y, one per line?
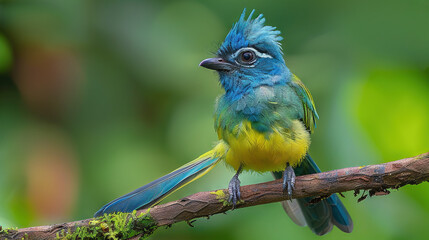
column 261, row 152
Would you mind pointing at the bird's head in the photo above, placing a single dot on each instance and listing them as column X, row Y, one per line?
column 249, row 57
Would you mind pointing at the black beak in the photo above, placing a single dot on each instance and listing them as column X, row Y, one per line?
column 218, row 64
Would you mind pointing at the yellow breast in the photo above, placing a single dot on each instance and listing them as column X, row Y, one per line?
column 267, row 152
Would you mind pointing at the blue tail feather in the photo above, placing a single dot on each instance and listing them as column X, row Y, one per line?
column 341, row 217
column 150, row 194
column 321, row 216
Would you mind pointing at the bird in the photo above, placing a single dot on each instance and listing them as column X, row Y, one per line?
column 263, row 121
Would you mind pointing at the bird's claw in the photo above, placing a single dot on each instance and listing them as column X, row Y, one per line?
column 289, row 180
column 234, row 191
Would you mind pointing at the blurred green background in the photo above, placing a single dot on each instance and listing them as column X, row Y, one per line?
column 98, row 98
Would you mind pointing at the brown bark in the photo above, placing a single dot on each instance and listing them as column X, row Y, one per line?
column 377, row 179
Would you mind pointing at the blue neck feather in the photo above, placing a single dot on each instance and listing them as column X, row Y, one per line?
column 239, row 84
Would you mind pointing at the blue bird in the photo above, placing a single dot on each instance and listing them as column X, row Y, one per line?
column 263, row 121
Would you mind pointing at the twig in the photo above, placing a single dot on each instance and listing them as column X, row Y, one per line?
column 374, row 178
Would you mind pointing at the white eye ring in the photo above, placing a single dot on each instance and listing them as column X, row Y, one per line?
column 256, row 52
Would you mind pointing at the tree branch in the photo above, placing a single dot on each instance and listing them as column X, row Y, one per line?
column 377, row 179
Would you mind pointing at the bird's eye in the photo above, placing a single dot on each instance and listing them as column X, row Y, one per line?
column 247, row 57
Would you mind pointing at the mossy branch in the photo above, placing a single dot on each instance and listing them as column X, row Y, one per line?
column 377, row 179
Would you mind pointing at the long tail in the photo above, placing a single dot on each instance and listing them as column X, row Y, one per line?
column 319, row 217
column 152, row 193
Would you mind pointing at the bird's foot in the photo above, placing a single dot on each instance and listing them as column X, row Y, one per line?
column 289, row 180
column 234, row 191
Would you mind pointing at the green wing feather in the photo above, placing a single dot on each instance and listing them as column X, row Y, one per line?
column 310, row 113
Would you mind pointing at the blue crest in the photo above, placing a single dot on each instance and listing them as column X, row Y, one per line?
column 252, row 32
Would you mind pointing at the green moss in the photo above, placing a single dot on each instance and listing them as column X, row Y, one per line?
column 7, row 231
column 113, row 226
column 222, row 197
